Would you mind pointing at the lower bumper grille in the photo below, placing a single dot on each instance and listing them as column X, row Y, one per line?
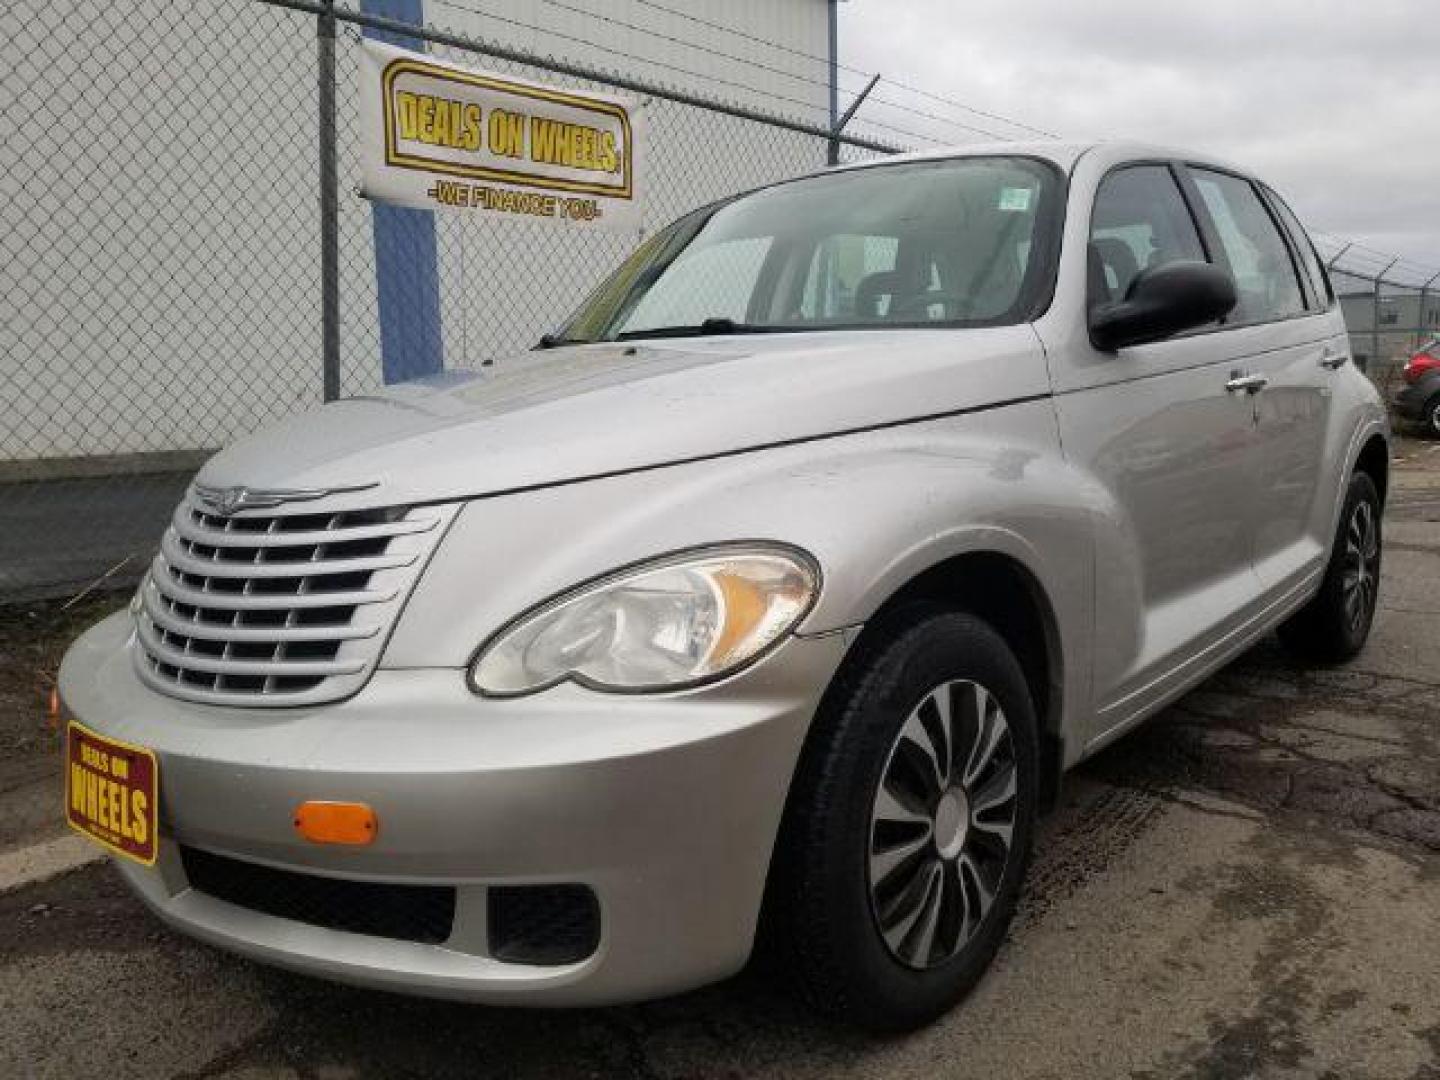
column 543, row 924
column 423, row 913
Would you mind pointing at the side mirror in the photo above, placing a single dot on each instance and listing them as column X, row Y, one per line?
column 1162, row 302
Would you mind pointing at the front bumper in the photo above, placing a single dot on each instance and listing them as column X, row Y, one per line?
column 666, row 806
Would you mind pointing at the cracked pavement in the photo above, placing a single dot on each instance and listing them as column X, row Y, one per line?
column 1247, row 886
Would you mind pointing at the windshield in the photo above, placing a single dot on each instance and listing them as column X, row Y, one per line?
column 961, row 241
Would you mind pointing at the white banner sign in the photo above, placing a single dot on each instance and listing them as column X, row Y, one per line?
column 436, row 135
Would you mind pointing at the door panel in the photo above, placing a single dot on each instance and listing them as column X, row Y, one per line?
column 1171, row 448
column 1292, row 417
column 1282, row 338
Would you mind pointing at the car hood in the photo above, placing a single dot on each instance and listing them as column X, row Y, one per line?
column 581, row 412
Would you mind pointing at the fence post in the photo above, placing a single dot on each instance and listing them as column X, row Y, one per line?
column 1375, row 330
column 1375, row 319
column 1422, row 324
column 329, row 207
column 833, row 149
column 839, row 125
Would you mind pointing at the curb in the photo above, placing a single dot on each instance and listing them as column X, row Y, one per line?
column 41, row 862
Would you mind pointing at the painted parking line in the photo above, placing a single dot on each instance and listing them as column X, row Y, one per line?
column 27, row 866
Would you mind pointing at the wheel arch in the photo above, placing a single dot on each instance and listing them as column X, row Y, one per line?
column 1374, row 461
column 994, row 586
column 1005, row 593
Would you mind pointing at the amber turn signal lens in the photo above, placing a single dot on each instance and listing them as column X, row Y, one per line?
column 336, row 822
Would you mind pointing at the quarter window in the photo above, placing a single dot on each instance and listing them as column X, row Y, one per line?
column 1140, row 222
column 1259, row 261
column 1308, row 259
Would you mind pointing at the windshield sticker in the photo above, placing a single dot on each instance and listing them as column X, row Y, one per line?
column 1015, row 199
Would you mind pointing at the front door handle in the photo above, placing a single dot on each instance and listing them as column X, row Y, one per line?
column 1331, row 360
column 1251, row 384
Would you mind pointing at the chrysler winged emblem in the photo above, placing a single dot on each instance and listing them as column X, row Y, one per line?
column 231, row 500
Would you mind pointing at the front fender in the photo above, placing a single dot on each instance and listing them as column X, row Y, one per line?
column 876, row 509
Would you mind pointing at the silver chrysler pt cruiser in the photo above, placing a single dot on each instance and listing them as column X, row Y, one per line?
column 766, row 600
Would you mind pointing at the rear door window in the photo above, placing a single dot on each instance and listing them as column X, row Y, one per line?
column 1258, row 257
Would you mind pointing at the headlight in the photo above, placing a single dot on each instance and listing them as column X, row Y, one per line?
column 668, row 624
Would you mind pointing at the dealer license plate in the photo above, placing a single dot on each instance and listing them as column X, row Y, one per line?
column 112, row 793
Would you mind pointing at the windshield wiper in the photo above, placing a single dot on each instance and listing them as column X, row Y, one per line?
column 717, row 325
column 554, row 341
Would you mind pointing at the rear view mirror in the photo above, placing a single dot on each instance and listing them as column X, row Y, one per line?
column 1161, row 302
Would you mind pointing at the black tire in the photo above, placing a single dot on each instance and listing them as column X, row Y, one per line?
column 1430, row 421
column 1328, row 630
column 821, row 924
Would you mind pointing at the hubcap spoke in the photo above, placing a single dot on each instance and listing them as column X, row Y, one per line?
column 965, row 919
column 889, row 808
column 923, row 942
column 998, row 790
column 971, row 873
column 919, row 737
column 883, row 861
column 1002, row 831
column 992, row 728
column 940, row 701
column 905, row 912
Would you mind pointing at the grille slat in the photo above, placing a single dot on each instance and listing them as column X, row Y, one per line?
column 251, row 570
column 195, row 657
column 273, row 608
column 159, row 612
column 193, row 525
column 177, row 590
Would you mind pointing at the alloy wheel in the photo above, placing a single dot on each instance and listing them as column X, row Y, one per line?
column 942, row 824
column 1360, row 580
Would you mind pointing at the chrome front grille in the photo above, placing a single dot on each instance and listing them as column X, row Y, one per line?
column 268, row 608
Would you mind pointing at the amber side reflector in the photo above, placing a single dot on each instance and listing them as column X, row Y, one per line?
column 336, row 822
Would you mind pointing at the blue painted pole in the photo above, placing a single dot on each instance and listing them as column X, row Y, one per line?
column 407, row 269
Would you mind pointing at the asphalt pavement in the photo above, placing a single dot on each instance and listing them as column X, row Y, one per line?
column 1248, row 886
column 59, row 536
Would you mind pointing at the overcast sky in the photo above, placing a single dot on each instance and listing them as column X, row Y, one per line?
column 1334, row 102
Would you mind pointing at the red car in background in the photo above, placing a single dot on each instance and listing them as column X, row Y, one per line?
column 1419, row 399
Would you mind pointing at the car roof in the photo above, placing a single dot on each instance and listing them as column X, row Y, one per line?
column 1064, row 153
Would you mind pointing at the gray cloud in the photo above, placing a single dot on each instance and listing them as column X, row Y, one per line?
column 1335, row 103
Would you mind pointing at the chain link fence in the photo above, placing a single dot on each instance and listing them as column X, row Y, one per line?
column 161, row 271
column 1391, row 306
column 163, row 279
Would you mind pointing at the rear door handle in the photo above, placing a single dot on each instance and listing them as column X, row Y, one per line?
column 1332, row 360
column 1251, row 384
